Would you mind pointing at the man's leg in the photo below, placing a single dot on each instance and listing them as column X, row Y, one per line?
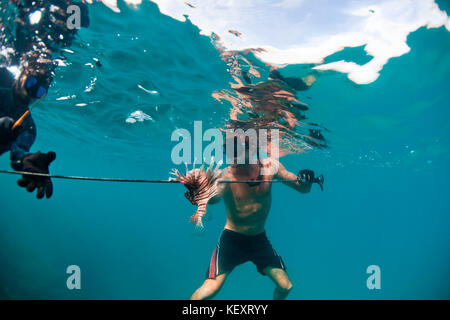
column 209, row 288
column 282, row 282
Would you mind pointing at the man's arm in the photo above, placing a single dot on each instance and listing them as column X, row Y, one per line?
column 283, row 174
column 7, row 136
column 23, row 143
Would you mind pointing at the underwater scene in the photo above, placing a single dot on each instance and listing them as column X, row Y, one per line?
column 123, row 101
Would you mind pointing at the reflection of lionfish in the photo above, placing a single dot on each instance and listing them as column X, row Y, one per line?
column 202, row 186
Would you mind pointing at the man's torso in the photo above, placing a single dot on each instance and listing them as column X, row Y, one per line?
column 247, row 205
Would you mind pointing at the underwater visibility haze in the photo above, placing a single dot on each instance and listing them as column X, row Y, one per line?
column 359, row 92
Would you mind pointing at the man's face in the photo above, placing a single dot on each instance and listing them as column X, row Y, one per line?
column 20, row 87
column 244, row 152
column 32, row 87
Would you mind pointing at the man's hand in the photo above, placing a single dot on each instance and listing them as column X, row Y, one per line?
column 37, row 162
column 299, row 182
column 7, row 135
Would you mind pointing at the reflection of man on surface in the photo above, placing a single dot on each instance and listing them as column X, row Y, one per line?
column 247, row 205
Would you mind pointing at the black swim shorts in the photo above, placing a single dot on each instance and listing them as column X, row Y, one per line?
column 236, row 248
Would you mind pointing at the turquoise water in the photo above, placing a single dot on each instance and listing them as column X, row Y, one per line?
column 386, row 191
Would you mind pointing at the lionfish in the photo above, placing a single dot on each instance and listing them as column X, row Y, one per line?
column 202, row 186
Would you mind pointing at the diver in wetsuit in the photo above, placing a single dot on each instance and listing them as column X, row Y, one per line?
column 14, row 101
column 33, row 45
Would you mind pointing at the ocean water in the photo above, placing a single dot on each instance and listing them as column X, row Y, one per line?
column 386, row 167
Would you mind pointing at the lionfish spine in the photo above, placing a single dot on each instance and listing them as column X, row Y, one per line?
column 203, row 186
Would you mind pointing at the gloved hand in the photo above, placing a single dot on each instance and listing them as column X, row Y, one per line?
column 7, row 135
column 37, row 162
column 306, row 176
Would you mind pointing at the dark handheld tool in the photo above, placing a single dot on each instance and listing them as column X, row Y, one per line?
column 307, row 176
column 320, row 181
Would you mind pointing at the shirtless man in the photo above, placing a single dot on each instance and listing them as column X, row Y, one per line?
column 244, row 238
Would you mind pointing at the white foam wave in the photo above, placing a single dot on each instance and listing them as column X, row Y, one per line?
column 301, row 31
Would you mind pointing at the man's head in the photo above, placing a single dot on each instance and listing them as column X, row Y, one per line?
column 32, row 85
column 242, row 148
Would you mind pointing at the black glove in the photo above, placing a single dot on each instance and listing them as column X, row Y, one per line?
column 7, row 135
column 37, row 162
column 306, row 176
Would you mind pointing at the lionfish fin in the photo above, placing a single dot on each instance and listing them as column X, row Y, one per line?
column 218, row 165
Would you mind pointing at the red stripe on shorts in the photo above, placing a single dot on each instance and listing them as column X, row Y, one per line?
column 212, row 265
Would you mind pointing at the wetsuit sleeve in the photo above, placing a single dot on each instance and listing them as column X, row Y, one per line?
column 23, row 143
column 4, row 137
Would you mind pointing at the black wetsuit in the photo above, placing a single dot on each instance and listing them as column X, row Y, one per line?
column 13, row 107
